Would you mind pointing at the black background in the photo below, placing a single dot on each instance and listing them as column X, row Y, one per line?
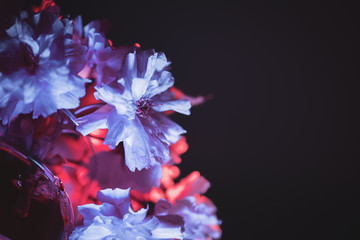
column 279, row 142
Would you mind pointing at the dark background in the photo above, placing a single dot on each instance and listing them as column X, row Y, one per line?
column 279, row 142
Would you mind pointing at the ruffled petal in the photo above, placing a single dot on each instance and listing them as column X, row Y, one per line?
column 169, row 228
column 44, row 105
column 120, row 198
column 93, row 121
column 180, row 106
column 121, row 100
column 200, row 223
column 138, row 152
column 160, row 84
column 130, row 225
column 89, row 212
column 169, row 128
column 120, row 128
column 136, row 217
column 138, row 87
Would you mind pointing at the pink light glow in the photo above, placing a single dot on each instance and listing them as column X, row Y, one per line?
column 178, row 94
column 99, row 133
column 85, row 72
column 89, row 97
column 44, row 5
column 136, row 206
column 156, row 194
column 177, row 149
column 194, row 183
column 169, row 174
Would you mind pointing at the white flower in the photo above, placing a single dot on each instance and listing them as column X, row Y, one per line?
column 133, row 113
column 115, row 219
column 38, row 67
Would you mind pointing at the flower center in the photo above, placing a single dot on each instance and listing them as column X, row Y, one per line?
column 31, row 61
column 143, row 107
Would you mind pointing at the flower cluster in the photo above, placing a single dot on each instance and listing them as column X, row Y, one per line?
column 97, row 116
column 39, row 66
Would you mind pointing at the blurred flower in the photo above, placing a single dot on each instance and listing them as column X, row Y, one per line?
column 183, row 199
column 199, row 216
column 39, row 63
column 190, row 185
column 199, row 213
column 140, row 199
column 134, row 108
column 103, row 61
column 115, row 219
column 74, row 151
column 38, row 136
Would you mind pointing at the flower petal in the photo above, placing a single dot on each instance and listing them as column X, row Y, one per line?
column 120, row 128
column 169, row 128
column 180, row 106
column 93, row 121
column 138, row 87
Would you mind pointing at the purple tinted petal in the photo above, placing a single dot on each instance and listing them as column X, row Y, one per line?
column 120, row 198
column 109, row 169
column 93, row 121
column 138, row 154
column 44, row 105
column 136, row 217
column 89, row 212
column 78, row 31
column 120, row 128
column 180, row 106
column 170, row 227
column 170, row 129
column 199, row 222
column 162, row 207
column 159, row 84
